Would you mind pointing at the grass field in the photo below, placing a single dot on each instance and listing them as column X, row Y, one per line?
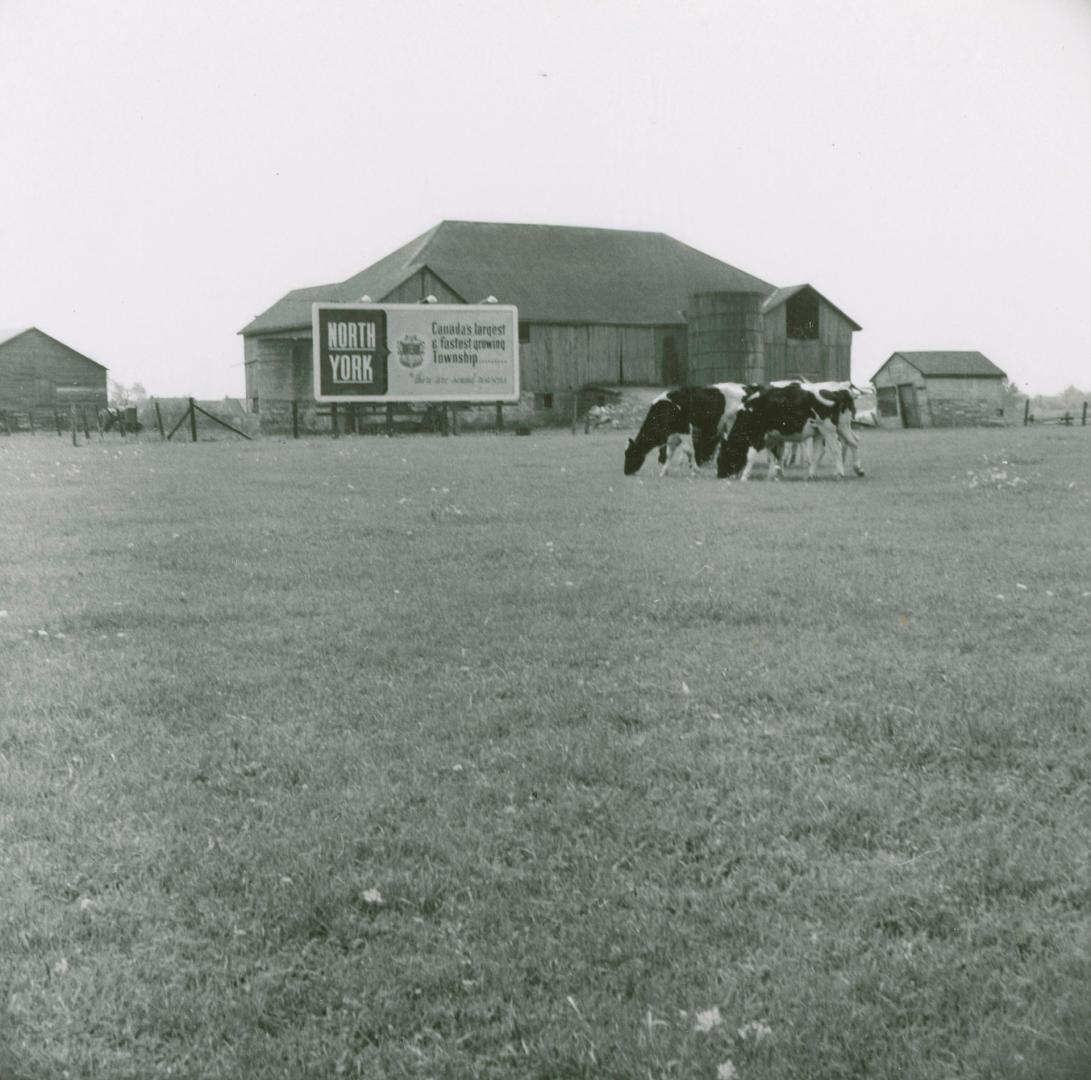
column 471, row 757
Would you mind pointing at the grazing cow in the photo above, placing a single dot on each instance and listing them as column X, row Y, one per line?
column 679, row 451
column 843, row 395
column 781, row 414
column 705, row 412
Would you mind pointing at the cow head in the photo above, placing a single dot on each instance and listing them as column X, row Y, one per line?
column 634, row 457
column 734, row 447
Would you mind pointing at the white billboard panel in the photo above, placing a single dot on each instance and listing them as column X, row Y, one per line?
column 416, row 352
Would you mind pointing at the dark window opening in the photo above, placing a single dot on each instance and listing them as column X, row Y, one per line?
column 545, row 401
column 887, row 400
column 802, row 316
column 524, row 332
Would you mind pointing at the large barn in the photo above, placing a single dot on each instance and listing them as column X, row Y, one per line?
column 38, row 372
column 597, row 307
column 940, row 389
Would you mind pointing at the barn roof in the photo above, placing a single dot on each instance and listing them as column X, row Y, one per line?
column 552, row 273
column 781, row 296
column 949, row 364
column 11, row 335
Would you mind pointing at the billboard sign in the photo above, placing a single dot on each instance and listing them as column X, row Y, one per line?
column 416, row 352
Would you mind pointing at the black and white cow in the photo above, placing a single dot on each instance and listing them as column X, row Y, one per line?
column 779, row 414
column 843, row 394
column 705, row 412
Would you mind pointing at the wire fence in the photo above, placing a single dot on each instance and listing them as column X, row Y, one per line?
column 1069, row 417
column 189, row 419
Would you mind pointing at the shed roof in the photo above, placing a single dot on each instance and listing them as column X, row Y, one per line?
column 948, row 364
column 12, row 334
column 552, row 273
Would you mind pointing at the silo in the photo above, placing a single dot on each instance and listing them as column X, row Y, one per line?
column 726, row 333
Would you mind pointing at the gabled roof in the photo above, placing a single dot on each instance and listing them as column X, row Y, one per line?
column 11, row 335
column 7, row 335
column 781, row 296
column 949, row 363
column 552, row 273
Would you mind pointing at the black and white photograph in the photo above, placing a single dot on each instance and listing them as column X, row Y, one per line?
column 545, row 541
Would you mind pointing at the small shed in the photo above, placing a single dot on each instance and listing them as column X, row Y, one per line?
column 940, row 389
column 39, row 372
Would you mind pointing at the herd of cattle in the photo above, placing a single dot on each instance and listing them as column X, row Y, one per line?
column 739, row 422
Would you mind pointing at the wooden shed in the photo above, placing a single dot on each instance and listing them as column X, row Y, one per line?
column 39, row 372
column 604, row 307
column 940, row 389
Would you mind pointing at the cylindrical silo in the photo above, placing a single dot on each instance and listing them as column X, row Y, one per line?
column 726, row 332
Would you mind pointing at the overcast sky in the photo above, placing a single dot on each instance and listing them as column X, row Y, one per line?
column 172, row 169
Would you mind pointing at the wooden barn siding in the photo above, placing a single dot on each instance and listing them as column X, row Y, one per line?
column 33, row 367
column 279, row 366
column 828, row 357
column 964, row 401
column 559, row 356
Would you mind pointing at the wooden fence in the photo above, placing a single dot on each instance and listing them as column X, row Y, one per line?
column 1069, row 417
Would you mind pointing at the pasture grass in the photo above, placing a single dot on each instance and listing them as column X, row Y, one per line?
column 471, row 757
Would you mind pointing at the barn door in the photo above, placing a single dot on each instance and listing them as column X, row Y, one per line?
column 907, row 399
column 674, row 368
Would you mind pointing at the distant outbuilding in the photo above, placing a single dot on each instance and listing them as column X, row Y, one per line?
column 940, row 389
column 39, row 372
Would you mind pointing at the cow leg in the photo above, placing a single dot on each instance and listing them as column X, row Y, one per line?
column 775, row 468
column 816, row 451
column 850, row 445
column 751, row 457
column 828, row 432
column 670, row 455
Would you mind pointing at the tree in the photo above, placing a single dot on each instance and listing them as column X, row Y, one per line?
column 121, row 395
column 1012, row 398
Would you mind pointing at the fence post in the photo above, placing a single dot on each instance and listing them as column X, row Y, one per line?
column 7, row 423
column 86, row 426
column 159, row 420
column 192, row 421
column 454, row 419
column 57, row 421
column 575, row 409
column 499, row 416
column 121, row 421
column 389, row 420
column 295, row 419
column 333, row 417
column 1026, row 412
column 1067, row 418
column 1083, row 416
column 72, row 418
